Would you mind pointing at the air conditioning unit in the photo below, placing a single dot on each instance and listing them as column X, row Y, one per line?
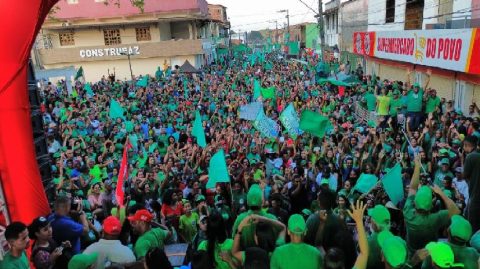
column 66, row 24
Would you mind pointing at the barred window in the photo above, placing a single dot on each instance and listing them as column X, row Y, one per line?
column 143, row 34
column 67, row 39
column 112, row 37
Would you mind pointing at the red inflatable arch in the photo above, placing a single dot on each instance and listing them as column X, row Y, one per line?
column 19, row 174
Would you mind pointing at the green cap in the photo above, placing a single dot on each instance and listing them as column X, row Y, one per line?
column 296, row 224
column 443, row 151
column 423, row 198
column 457, row 142
column 445, row 161
column 394, row 248
column 371, row 124
column 254, row 196
column 475, row 241
column 460, row 228
column 416, row 84
column 324, row 181
column 380, row 215
column 306, row 211
column 199, row 198
column 82, row 261
column 442, row 255
column 396, row 92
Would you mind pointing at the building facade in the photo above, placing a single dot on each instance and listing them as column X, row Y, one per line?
column 105, row 39
column 331, row 23
column 434, row 35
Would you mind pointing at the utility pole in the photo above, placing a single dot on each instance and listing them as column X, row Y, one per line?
column 320, row 26
column 129, row 63
column 288, row 19
column 246, row 43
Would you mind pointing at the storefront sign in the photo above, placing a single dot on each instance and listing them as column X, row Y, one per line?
column 106, row 52
column 443, row 48
column 364, row 43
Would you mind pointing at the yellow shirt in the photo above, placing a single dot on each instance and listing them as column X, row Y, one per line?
column 383, row 105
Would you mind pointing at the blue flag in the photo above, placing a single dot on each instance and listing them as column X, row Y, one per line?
column 266, row 126
column 250, row 111
column 290, row 121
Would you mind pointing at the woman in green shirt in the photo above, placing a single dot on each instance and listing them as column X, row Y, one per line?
column 217, row 245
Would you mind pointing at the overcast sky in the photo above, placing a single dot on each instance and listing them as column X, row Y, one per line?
column 246, row 15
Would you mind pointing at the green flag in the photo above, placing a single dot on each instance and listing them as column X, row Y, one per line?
column 217, row 170
column 268, row 93
column 74, row 93
column 116, row 110
column 293, row 48
column 79, row 73
column 197, row 130
column 129, row 126
column 95, row 172
column 256, row 89
column 366, row 182
column 393, row 185
column 88, row 89
column 314, row 123
column 143, row 82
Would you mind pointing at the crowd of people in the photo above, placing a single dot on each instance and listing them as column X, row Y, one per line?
column 280, row 209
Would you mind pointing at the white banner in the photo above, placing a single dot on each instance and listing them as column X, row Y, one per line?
column 105, row 52
column 444, row 48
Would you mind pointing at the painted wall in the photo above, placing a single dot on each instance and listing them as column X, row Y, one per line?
column 354, row 18
column 312, row 34
column 377, row 13
column 97, row 9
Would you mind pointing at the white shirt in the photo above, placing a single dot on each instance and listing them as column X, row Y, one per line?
column 462, row 188
column 110, row 251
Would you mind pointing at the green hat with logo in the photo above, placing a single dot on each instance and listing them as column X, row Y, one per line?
column 199, row 198
column 460, row 228
column 306, row 212
column 254, row 196
column 380, row 215
column 296, row 224
column 394, row 248
column 423, row 198
column 82, row 261
column 442, row 255
column 416, row 84
column 324, row 181
column 445, row 161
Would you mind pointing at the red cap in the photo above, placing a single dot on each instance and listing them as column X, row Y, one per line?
column 141, row 215
column 112, row 225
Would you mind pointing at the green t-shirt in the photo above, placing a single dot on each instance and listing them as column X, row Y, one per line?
column 414, row 101
column 371, row 101
column 432, row 104
column 151, row 239
column 374, row 252
column 296, row 255
column 422, row 228
column 248, row 232
column 395, row 106
column 225, row 246
column 11, row 262
column 440, row 175
column 188, row 226
column 383, row 104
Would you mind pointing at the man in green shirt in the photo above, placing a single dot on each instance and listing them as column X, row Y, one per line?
column 254, row 203
column 395, row 104
column 423, row 225
column 188, row 223
column 296, row 254
column 371, row 100
column 442, row 255
column 433, row 102
column 149, row 237
column 415, row 102
column 380, row 221
column 16, row 235
column 459, row 233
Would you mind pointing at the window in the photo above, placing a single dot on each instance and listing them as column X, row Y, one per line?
column 143, row 34
column 112, row 37
column 72, row 2
column 390, row 11
column 66, row 39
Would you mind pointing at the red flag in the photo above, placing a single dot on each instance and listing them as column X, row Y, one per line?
column 122, row 174
column 341, row 90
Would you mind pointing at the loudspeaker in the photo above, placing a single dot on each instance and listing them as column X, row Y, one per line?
column 41, row 147
column 34, row 96
column 37, row 123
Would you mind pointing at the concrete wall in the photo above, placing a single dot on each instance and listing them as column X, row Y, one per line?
column 354, row 18
column 377, row 13
column 180, row 30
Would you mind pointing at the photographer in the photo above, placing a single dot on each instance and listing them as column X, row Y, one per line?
column 64, row 227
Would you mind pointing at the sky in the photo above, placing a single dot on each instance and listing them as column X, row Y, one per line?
column 247, row 15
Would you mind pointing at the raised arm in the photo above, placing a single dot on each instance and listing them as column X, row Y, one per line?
column 357, row 215
column 412, row 189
